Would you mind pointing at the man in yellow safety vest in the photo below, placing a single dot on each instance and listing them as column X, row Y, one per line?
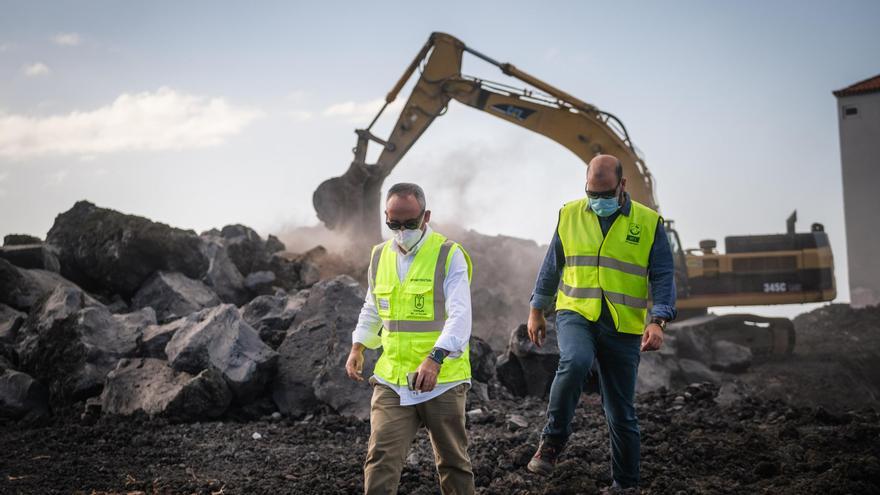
column 418, row 309
column 606, row 250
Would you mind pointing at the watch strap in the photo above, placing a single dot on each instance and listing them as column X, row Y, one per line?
column 659, row 321
column 438, row 355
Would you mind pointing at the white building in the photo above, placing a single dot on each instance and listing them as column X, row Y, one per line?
column 858, row 116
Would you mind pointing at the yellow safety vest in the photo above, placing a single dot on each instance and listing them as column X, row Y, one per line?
column 413, row 312
column 614, row 266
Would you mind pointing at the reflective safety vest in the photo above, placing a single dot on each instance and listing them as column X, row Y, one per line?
column 613, row 267
column 413, row 312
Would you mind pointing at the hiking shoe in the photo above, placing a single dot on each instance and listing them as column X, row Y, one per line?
column 545, row 458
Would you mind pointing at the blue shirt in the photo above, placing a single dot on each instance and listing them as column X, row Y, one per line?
column 661, row 272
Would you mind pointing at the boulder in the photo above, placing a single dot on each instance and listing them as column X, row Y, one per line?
column 246, row 248
column 218, row 338
column 20, row 240
column 660, row 369
column 260, row 283
column 692, row 340
column 697, row 372
column 222, row 274
column 311, row 367
column 271, row 316
column 22, row 397
column 309, row 274
column 40, row 256
column 156, row 337
column 110, row 252
column 274, row 244
column 70, row 342
column 483, row 360
column 288, row 273
column 174, row 295
column 528, row 369
column 23, row 289
column 10, row 321
column 730, row 357
column 6, row 361
column 155, row 388
column 656, row 371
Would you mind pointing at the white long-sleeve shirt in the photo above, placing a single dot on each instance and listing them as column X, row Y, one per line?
column 456, row 330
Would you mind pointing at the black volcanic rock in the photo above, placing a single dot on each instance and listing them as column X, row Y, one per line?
column 21, row 396
column 220, row 339
column 311, row 366
column 71, row 341
column 39, row 256
column 20, row 239
column 246, row 248
column 23, row 289
column 155, row 388
column 174, row 295
column 483, row 360
column 106, row 251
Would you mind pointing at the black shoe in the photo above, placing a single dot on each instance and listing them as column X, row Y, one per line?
column 545, row 458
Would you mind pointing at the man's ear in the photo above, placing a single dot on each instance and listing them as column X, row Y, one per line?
column 427, row 216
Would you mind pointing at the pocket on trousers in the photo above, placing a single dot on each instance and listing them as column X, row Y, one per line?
column 451, row 402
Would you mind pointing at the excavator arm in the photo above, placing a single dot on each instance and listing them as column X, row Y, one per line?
column 351, row 202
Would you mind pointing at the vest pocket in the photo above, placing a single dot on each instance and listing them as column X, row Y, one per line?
column 383, row 295
column 418, row 302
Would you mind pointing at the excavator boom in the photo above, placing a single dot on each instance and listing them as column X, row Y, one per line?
column 352, row 202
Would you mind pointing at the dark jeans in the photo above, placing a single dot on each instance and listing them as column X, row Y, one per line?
column 580, row 342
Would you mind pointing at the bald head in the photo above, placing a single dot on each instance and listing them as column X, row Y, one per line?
column 604, row 173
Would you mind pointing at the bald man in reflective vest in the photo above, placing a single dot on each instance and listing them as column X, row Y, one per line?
column 606, row 250
column 418, row 309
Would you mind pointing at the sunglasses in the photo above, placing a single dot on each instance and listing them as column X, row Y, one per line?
column 610, row 194
column 411, row 224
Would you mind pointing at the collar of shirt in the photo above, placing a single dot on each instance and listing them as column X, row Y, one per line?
column 415, row 249
column 624, row 209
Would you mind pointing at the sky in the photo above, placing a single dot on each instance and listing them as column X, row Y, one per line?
column 200, row 114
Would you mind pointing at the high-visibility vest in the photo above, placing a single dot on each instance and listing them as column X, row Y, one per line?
column 613, row 267
column 413, row 312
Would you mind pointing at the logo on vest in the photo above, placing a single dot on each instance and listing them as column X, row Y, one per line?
column 634, row 234
column 419, row 301
column 384, row 305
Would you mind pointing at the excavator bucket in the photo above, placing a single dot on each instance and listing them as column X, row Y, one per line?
column 350, row 203
column 337, row 199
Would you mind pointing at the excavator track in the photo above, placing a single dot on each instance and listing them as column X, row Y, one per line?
column 765, row 336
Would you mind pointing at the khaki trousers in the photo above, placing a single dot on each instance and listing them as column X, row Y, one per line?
column 393, row 428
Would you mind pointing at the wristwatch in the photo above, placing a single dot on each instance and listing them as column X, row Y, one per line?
column 659, row 321
column 438, row 355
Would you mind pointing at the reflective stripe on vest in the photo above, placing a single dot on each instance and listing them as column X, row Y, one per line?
column 614, row 266
column 413, row 312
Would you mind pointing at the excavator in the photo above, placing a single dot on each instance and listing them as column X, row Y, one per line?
column 789, row 268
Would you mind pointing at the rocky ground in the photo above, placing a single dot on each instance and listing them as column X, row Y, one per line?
column 140, row 358
column 690, row 445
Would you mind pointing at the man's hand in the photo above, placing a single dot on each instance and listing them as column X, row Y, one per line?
column 537, row 326
column 652, row 339
column 427, row 377
column 355, row 363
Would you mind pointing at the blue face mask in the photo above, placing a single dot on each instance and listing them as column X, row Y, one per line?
column 604, row 207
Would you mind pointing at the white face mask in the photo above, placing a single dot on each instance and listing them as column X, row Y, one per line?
column 407, row 239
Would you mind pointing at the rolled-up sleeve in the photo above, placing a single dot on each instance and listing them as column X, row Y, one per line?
column 456, row 331
column 369, row 323
column 661, row 274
